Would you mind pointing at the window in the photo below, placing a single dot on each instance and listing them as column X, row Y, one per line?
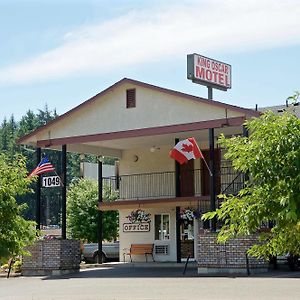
column 130, row 98
column 162, row 227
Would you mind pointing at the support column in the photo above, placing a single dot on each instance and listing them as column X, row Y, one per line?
column 177, row 194
column 177, row 175
column 100, row 217
column 213, row 177
column 178, row 242
column 64, row 192
column 38, row 193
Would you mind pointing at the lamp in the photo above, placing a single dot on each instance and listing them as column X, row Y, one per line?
column 154, row 148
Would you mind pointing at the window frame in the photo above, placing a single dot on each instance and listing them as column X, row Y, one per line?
column 158, row 236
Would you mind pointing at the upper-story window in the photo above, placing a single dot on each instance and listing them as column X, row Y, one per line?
column 130, row 98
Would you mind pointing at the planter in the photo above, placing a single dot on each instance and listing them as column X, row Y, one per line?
column 52, row 257
column 229, row 257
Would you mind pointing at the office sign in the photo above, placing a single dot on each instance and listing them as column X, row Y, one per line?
column 136, row 227
column 208, row 72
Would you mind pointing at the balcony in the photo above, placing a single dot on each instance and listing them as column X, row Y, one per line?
column 162, row 184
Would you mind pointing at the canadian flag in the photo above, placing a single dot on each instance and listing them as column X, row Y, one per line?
column 186, row 150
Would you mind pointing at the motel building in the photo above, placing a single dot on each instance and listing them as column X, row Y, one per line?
column 160, row 202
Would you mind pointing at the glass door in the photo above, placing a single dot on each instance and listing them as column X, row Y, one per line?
column 187, row 238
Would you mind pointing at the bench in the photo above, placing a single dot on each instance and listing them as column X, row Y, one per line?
column 141, row 249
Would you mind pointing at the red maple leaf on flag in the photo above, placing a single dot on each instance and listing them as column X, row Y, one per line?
column 187, row 148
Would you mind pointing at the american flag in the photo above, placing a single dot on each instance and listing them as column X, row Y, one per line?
column 43, row 167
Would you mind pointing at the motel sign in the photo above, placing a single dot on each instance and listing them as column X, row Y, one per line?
column 208, row 72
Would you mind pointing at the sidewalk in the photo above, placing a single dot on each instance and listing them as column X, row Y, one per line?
column 162, row 269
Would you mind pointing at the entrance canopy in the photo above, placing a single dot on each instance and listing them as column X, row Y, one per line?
column 103, row 125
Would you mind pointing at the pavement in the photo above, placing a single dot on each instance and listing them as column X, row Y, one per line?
column 137, row 282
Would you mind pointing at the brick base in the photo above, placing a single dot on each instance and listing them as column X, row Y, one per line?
column 52, row 257
column 229, row 257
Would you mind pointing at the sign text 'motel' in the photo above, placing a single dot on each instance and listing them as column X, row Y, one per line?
column 209, row 72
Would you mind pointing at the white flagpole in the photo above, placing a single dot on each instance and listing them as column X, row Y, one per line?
column 210, row 173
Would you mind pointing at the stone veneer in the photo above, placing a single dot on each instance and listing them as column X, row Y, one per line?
column 52, row 257
column 229, row 257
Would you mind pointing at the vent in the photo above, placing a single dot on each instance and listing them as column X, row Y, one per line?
column 162, row 249
column 130, row 98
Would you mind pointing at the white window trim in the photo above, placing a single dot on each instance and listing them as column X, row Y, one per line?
column 161, row 218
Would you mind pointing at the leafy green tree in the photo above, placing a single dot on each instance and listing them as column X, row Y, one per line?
column 271, row 158
column 82, row 211
column 15, row 232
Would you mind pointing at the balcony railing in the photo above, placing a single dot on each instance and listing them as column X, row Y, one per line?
column 232, row 181
column 162, row 184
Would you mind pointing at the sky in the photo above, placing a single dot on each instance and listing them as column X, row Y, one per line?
column 60, row 53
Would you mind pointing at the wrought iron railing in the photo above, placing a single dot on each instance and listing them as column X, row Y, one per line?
column 232, row 181
column 162, row 184
column 147, row 185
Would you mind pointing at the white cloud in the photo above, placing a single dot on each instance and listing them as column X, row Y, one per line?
column 163, row 32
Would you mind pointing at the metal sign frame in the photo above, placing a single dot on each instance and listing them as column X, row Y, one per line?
column 211, row 67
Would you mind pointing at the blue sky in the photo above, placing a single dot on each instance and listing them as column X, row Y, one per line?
column 62, row 52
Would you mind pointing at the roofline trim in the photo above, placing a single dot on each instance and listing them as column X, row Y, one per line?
column 248, row 112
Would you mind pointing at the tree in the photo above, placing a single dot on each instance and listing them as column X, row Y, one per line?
column 8, row 135
column 271, row 158
column 15, row 232
column 82, row 211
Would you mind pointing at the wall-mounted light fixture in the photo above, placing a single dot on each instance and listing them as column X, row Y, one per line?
column 154, row 148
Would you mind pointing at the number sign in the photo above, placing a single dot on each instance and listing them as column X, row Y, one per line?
column 51, row 181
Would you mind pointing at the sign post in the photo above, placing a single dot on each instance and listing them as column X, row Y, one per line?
column 213, row 74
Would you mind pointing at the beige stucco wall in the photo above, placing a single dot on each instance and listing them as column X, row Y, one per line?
column 152, row 162
column 126, row 239
column 108, row 113
column 157, row 161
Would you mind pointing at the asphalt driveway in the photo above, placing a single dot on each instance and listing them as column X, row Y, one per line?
column 111, row 282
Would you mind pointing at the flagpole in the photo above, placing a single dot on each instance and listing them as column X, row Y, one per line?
column 210, row 173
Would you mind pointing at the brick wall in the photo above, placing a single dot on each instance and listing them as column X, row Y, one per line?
column 230, row 256
column 52, row 257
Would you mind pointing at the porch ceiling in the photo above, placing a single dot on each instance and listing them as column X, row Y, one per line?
column 112, row 144
column 162, row 140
